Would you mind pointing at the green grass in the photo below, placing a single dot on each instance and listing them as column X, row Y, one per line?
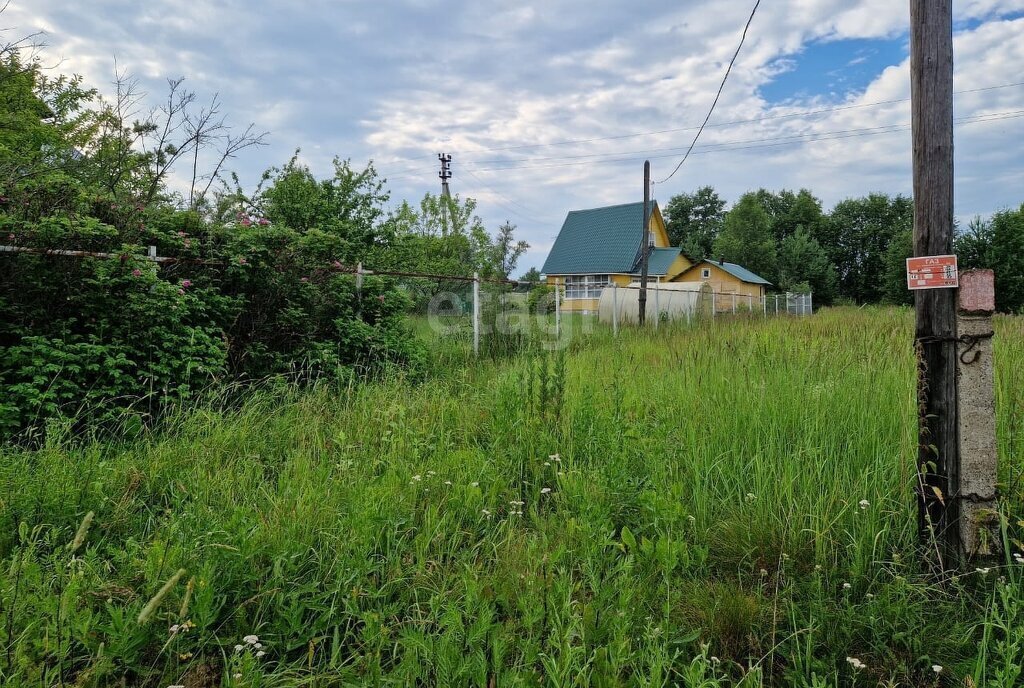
column 690, row 516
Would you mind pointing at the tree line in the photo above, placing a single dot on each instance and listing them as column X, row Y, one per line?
column 854, row 253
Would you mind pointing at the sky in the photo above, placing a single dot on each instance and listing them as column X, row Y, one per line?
column 550, row 107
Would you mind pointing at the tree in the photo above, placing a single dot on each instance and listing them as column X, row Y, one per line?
column 531, row 276
column 998, row 244
column 506, row 250
column 693, row 221
column 856, row 237
column 895, row 271
column 802, row 260
column 746, row 238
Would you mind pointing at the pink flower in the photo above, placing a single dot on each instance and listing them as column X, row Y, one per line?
column 136, row 273
column 185, row 284
column 243, row 261
column 181, row 234
column 264, row 222
column 181, row 291
column 246, row 222
column 336, row 264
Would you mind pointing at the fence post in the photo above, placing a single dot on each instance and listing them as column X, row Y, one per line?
column 776, row 304
column 657, row 303
column 359, row 281
column 810, row 303
column 615, row 309
column 152, row 252
column 476, row 313
column 764, row 303
column 558, row 311
column 714, row 306
column 734, row 303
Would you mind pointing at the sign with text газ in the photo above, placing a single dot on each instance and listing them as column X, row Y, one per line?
column 932, row 272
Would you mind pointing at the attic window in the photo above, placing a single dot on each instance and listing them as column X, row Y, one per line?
column 705, row 273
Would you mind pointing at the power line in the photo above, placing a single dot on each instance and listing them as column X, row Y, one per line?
column 718, row 95
column 674, row 130
column 728, row 146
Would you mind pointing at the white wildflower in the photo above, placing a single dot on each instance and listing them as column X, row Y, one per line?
column 870, row 596
column 937, row 668
column 417, row 478
column 175, row 628
column 983, row 571
column 258, row 646
column 715, row 660
column 856, row 663
column 547, row 463
column 238, row 648
column 764, row 572
column 485, row 512
column 236, row 676
column 448, row 483
column 750, row 497
column 864, row 504
column 474, row 484
column 692, row 519
column 250, row 639
column 260, row 654
column 846, row 586
column 545, row 490
column 555, row 457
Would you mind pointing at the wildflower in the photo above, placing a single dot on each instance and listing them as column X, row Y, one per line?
column 431, row 474
column 181, row 234
column 260, row 654
column 486, row 512
column 184, row 656
column 175, row 628
column 243, row 261
column 846, row 586
column 181, row 292
column 715, row 660
column 136, row 273
column 238, row 648
column 545, row 490
column 983, row 571
column 236, row 676
column 246, row 222
column 869, row 596
column 264, row 222
column 474, row 484
column 555, row 457
column 692, row 519
column 1018, row 557
column 448, row 483
column 336, row 264
column 937, row 668
column 250, row 639
column 381, row 298
column 547, row 463
column 751, row 497
column 185, row 284
column 856, row 663
column 764, row 572
column 864, row 504
column 304, row 279
column 417, row 478
column 258, row 646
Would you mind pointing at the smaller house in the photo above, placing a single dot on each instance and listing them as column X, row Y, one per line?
column 601, row 246
column 727, row 279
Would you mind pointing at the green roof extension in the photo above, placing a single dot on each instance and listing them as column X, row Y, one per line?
column 738, row 271
column 599, row 241
column 660, row 259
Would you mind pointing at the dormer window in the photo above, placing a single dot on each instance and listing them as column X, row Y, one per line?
column 705, row 273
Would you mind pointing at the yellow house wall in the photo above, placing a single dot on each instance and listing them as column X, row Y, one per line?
column 725, row 285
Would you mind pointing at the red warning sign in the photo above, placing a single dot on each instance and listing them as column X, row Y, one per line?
column 932, row 272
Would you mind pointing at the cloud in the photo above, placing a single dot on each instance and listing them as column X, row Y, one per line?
column 505, row 86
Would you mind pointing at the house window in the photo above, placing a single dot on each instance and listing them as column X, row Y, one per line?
column 705, row 273
column 585, row 286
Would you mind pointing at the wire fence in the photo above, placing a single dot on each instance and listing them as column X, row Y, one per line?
column 495, row 314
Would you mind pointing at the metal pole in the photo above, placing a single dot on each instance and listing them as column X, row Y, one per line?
column 657, row 302
column 714, row 306
column 645, row 239
column 558, row 311
column 359, row 287
column 615, row 309
column 938, row 461
column 776, row 304
column 476, row 313
column 152, row 252
column 734, row 303
column 764, row 303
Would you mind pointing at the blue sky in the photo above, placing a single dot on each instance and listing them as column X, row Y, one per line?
column 549, row 107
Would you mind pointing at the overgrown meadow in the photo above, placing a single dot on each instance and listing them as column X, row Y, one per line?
column 728, row 503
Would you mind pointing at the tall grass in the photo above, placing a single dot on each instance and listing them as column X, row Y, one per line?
column 728, row 503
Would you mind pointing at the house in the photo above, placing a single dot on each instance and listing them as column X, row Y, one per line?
column 726, row 280
column 601, row 246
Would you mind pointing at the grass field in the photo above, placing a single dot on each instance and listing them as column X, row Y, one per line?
column 726, row 504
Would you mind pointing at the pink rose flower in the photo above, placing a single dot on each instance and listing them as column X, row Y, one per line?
column 185, row 284
column 136, row 273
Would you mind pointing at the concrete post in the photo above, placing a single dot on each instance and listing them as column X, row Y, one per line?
column 657, row 303
column 979, row 516
column 476, row 313
column 734, row 304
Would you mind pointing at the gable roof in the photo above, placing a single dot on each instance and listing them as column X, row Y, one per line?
column 598, row 241
column 737, row 271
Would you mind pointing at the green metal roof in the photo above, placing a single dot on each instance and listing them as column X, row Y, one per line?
column 739, row 272
column 660, row 259
column 598, row 241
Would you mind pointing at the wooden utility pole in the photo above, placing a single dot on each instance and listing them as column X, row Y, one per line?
column 644, row 241
column 931, row 90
